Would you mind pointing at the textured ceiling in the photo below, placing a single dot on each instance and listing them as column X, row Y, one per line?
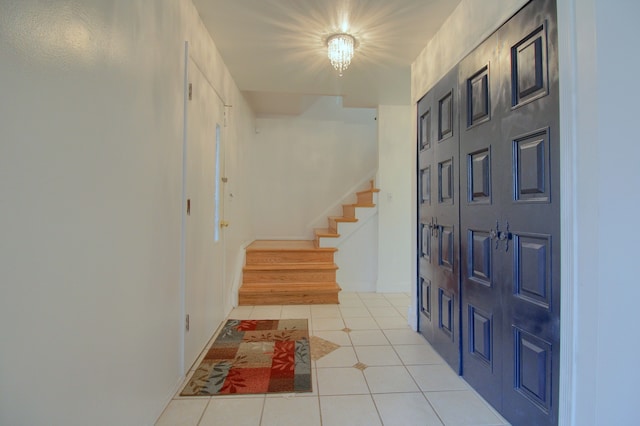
column 276, row 49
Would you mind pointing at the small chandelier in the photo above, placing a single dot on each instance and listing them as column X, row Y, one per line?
column 340, row 51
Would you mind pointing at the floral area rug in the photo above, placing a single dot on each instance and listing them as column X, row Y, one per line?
column 255, row 356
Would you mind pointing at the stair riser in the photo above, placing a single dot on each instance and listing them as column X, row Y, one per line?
column 274, row 257
column 365, row 198
column 348, row 211
column 329, row 242
column 280, row 276
column 285, row 294
column 299, row 298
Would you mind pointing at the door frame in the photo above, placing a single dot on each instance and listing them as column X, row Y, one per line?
column 220, row 153
column 183, row 215
column 567, row 70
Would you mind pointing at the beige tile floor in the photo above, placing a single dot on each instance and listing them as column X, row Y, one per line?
column 405, row 383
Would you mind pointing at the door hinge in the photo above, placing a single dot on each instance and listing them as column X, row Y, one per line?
column 186, row 323
column 190, row 91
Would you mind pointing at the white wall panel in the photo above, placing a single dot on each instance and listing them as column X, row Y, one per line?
column 357, row 258
column 395, row 174
column 302, row 165
column 91, row 131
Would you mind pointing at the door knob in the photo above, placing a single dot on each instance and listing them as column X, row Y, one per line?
column 224, row 224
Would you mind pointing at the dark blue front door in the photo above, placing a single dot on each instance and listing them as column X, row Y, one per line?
column 510, row 217
column 439, row 274
column 489, row 217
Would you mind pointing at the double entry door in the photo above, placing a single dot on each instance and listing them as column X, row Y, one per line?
column 504, row 276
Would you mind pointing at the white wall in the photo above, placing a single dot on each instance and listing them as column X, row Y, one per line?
column 302, row 165
column 395, row 218
column 605, row 139
column 90, row 193
column 357, row 258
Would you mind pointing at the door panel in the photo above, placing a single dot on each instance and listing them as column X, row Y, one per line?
column 480, row 173
column 426, row 295
column 531, row 216
column 438, row 218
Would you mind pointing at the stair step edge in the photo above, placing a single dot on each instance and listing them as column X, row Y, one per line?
column 343, row 219
column 367, row 205
column 279, row 250
column 329, row 266
column 366, row 191
column 324, row 232
column 285, row 287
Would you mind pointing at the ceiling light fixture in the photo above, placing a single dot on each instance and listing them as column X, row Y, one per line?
column 340, row 49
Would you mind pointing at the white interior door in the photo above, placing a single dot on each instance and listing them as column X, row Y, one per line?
column 204, row 237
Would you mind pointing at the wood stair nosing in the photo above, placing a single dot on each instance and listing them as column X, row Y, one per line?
column 289, row 250
column 274, row 254
column 343, row 219
column 270, row 258
column 364, row 205
column 289, row 293
column 279, row 287
column 306, row 266
column 288, row 277
column 327, row 295
column 325, row 233
column 368, row 191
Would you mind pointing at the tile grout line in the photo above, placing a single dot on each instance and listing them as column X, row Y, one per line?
column 203, row 412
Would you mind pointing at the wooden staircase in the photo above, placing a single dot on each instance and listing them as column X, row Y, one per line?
column 284, row 272
column 288, row 273
column 365, row 199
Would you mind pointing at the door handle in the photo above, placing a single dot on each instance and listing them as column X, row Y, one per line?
column 505, row 236
column 494, row 233
column 224, row 224
column 498, row 235
column 435, row 228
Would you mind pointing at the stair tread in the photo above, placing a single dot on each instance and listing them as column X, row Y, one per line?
column 325, row 232
column 368, row 190
column 361, row 205
column 343, row 219
column 288, row 287
column 290, row 266
column 285, row 245
column 303, row 296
